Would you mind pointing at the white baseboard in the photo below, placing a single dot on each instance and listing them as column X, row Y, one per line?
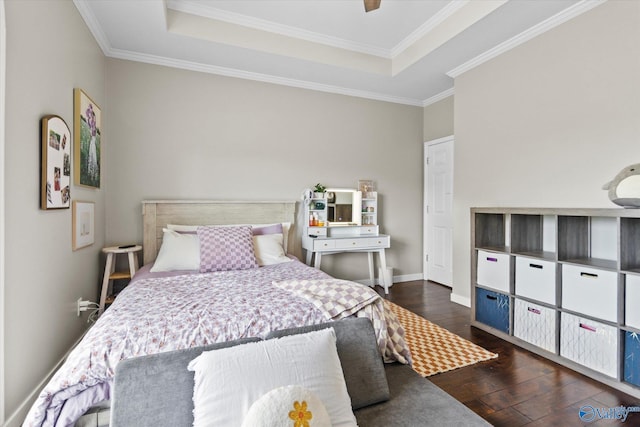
column 408, row 277
column 17, row 417
column 466, row 301
column 396, row 279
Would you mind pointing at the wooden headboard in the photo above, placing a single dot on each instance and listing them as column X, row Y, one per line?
column 157, row 214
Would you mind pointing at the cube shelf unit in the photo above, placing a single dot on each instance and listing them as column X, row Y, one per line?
column 564, row 284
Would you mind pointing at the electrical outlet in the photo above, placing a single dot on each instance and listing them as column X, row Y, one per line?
column 85, row 305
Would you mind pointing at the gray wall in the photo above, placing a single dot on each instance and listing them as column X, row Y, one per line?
column 438, row 119
column 182, row 134
column 549, row 122
column 49, row 52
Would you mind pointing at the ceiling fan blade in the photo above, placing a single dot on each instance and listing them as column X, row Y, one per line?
column 370, row 5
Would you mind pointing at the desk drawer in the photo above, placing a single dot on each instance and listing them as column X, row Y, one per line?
column 321, row 245
column 362, row 243
column 318, row 231
column 369, row 230
column 590, row 291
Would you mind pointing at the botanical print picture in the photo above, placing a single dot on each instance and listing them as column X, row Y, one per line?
column 55, row 191
column 83, row 224
column 88, row 138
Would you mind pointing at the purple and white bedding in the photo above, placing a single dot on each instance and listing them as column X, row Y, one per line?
column 160, row 312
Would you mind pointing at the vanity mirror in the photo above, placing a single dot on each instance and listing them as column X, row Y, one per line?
column 343, row 207
column 342, row 220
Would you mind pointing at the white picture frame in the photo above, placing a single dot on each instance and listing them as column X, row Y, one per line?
column 83, row 228
column 55, row 168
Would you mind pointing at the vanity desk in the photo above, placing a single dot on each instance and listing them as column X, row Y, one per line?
column 342, row 220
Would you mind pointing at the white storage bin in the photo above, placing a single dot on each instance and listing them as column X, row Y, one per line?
column 536, row 279
column 535, row 324
column 493, row 270
column 632, row 301
column 590, row 291
column 589, row 343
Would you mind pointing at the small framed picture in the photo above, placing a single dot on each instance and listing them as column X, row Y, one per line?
column 55, row 187
column 87, row 118
column 83, row 233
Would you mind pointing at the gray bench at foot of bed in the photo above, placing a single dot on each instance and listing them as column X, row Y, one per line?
column 157, row 390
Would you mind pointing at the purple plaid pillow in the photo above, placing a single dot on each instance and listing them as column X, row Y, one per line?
column 226, row 248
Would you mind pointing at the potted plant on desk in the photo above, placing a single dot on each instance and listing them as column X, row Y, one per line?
column 318, row 191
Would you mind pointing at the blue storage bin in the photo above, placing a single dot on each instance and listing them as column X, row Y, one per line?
column 492, row 309
column 632, row 358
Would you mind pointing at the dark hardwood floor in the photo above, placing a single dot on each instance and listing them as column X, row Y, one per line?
column 519, row 387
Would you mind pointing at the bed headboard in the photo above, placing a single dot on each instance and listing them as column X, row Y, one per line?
column 157, row 214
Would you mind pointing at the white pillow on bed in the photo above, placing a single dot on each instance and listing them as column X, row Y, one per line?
column 228, row 381
column 269, row 249
column 178, row 252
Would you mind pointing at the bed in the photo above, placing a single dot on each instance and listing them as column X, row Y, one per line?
column 169, row 305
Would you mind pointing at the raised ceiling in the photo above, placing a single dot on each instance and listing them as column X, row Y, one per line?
column 407, row 51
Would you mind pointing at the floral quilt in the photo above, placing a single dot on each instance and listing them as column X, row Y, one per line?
column 156, row 314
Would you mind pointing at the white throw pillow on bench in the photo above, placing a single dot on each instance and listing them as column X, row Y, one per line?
column 228, row 381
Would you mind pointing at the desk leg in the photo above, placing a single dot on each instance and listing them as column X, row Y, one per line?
column 309, row 255
column 372, row 276
column 317, row 260
column 383, row 265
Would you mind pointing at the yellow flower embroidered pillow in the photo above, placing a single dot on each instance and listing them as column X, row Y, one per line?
column 228, row 381
column 288, row 406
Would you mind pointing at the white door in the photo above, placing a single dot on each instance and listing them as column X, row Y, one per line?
column 438, row 215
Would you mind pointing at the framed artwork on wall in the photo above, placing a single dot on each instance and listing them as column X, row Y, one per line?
column 83, row 233
column 87, row 130
column 55, row 173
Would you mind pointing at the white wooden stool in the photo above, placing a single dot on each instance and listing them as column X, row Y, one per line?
column 109, row 269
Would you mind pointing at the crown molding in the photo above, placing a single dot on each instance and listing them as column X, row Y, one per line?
column 439, row 97
column 272, row 27
column 93, row 24
column 546, row 25
column 103, row 42
column 265, row 78
column 108, row 51
column 564, row 16
column 428, row 26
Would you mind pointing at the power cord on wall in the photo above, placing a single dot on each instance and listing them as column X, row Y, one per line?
column 94, row 307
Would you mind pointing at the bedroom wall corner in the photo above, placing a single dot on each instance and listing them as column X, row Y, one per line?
column 438, row 119
column 546, row 124
column 49, row 52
